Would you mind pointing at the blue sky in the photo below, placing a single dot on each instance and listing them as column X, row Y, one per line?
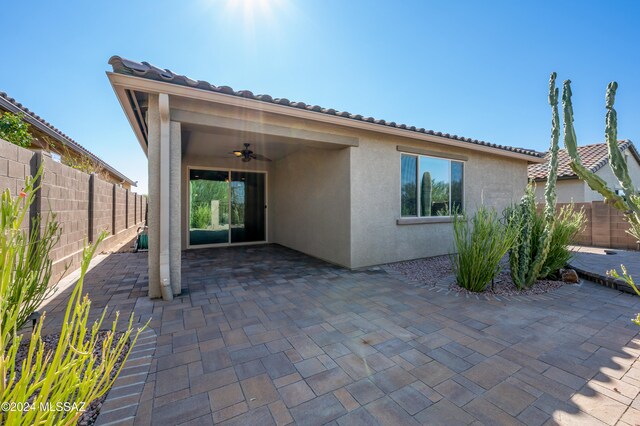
column 474, row 68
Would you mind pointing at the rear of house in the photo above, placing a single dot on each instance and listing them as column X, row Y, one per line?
column 351, row 190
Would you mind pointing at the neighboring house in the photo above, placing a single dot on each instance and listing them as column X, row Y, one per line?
column 351, row 190
column 595, row 158
column 62, row 148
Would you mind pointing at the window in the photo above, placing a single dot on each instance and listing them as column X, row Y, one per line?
column 430, row 186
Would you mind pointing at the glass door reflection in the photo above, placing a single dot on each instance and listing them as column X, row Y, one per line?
column 209, row 207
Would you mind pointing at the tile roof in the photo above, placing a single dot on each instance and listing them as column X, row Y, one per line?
column 146, row 70
column 10, row 104
column 593, row 157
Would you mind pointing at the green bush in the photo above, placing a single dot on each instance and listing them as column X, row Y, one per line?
column 14, row 129
column 480, row 244
column 201, row 216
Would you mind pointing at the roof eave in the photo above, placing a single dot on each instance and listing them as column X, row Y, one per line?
column 120, row 82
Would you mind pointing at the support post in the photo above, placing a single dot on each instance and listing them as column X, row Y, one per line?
column 153, row 200
column 165, row 193
column 175, row 236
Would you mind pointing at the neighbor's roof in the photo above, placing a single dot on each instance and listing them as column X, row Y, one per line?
column 146, row 70
column 10, row 104
column 593, row 157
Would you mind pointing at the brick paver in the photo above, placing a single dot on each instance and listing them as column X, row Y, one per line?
column 266, row 335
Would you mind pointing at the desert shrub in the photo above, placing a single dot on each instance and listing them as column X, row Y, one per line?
column 569, row 222
column 71, row 375
column 629, row 280
column 480, row 244
column 532, row 222
column 14, row 129
column 25, row 255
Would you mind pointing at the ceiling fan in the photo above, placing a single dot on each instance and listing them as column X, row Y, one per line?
column 247, row 155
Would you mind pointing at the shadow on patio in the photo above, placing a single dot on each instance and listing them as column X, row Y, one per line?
column 266, row 335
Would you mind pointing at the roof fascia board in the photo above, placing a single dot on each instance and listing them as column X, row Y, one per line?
column 123, row 99
column 156, row 87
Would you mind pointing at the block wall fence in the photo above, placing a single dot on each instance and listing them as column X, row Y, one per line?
column 605, row 227
column 84, row 205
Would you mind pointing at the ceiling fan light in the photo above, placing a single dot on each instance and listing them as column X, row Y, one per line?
column 237, row 153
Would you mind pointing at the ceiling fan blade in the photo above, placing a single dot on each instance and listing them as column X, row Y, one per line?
column 260, row 157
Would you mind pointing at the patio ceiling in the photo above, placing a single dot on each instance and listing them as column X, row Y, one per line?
column 219, row 142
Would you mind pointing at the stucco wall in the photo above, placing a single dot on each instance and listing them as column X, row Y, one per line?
column 341, row 204
column 375, row 193
column 311, row 203
column 567, row 191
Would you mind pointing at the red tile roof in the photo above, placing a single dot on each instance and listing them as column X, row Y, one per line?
column 146, row 70
column 593, row 157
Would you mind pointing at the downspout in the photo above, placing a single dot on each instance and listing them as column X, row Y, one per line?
column 165, row 145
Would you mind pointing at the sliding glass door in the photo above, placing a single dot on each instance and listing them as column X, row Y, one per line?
column 226, row 207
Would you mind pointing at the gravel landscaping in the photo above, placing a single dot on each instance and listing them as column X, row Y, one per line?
column 437, row 271
column 50, row 341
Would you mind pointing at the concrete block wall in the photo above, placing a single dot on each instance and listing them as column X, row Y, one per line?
column 606, row 227
column 102, row 207
column 65, row 192
column 83, row 204
column 15, row 166
column 121, row 209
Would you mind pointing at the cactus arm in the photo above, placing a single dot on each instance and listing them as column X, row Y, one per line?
column 570, row 142
column 597, row 184
column 570, row 138
column 616, row 160
column 550, row 187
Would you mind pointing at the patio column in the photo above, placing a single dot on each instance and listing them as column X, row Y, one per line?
column 153, row 207
column 164, row 157
column 175, row 231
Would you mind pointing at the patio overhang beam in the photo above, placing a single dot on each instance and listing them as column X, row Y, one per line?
column 248, row 126
column 153, row 86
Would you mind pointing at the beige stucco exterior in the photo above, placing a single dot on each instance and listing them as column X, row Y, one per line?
column 376, row 236
column 577, row 191
column 333, row 187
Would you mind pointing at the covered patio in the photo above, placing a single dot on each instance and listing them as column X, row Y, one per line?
column 266, row 335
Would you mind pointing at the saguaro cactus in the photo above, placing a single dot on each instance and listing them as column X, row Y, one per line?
column 528, row 255
column 425, row 196
column 630, row 204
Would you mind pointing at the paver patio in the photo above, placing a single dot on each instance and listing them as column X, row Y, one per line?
column 265, row 335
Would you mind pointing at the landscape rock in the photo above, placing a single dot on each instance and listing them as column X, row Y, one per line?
column 569, row 276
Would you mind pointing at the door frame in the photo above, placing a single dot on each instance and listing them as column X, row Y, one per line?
column 229, row 243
